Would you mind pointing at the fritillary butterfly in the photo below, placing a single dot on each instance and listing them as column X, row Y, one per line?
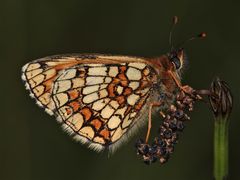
column 99, row 99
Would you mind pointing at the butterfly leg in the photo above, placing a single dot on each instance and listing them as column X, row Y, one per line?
column 185, row 88
column 178, row 83
column 150, row 118
column 162, row 114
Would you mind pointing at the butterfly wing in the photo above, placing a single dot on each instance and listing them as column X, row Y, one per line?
column 39, row 77
column 98, row 99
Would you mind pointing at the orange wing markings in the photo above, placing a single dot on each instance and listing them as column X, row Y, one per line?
column 105, row 133
column 127, row 91
column 140, row 103
column 65, row 66
column 122, row 76
column 97, row 123
column 73, row 94
column 87, row 113
column 75, row 105
column 111, row 89
column 121, row 100
column 48, row 84
column 68, row 110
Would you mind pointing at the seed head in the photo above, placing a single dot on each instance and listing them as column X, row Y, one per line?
column 221, row 99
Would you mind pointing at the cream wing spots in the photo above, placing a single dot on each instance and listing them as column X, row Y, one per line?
column 106, row 108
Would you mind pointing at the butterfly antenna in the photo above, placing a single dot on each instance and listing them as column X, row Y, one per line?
column 201, row 35
column 174, row 22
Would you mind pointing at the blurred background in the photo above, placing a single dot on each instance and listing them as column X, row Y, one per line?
column 33, row 146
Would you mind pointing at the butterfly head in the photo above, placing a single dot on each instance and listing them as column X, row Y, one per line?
column 177, row 58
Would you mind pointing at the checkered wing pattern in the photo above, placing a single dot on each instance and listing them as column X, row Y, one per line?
column 98, row 99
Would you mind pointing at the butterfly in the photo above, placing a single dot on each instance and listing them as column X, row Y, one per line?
column 100, row 100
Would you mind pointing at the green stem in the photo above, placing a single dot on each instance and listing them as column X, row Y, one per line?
column 221, row 149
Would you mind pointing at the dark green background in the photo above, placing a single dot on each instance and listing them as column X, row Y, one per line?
column 33, row 145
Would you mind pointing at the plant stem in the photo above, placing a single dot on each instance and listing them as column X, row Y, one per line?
column 221, row 148
column 221, row 101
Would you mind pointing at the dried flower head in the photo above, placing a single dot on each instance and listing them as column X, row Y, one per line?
column 173, row 123
column 221, row 99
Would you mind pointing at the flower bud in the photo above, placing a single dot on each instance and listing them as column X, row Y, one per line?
column 220, row 99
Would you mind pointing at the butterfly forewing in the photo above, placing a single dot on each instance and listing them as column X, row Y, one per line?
column 97, row 98
column 39, row 77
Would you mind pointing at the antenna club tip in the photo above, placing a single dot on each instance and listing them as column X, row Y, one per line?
column 202, row 35
column 175, row 19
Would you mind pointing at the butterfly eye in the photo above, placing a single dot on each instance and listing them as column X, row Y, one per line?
column 176, row 61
